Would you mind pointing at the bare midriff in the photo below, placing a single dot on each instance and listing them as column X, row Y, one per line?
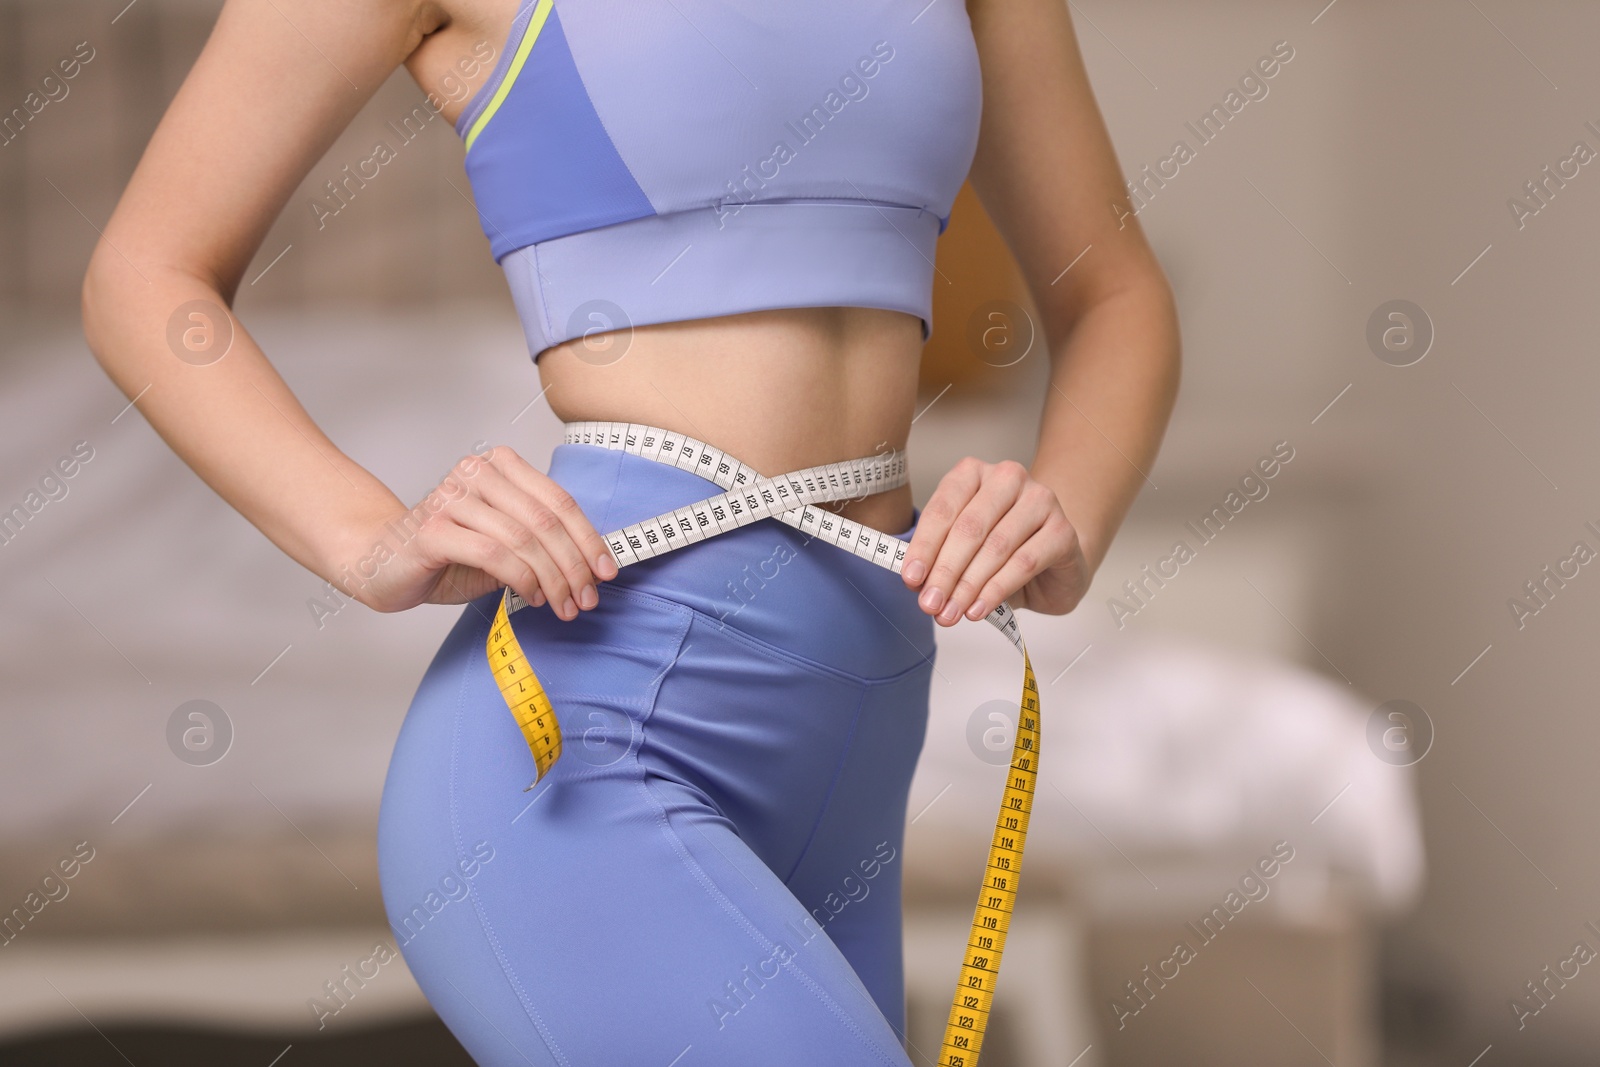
column 779, row 389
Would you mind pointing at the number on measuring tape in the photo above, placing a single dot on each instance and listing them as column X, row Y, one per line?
column 522, row 692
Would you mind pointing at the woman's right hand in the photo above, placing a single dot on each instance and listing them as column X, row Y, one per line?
column 495, row 520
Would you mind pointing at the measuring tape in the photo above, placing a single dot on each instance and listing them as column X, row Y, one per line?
column 749, row 497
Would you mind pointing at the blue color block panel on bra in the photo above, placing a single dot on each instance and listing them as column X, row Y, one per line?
column 543, row 165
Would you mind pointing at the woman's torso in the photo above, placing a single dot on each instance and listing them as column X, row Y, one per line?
column 781, row 389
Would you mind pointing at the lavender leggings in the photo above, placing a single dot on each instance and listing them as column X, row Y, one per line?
column 710, row 874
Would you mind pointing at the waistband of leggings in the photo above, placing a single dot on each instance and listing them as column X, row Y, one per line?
column 768, row 580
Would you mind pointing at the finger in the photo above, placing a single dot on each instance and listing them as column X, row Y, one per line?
column 1001, row 485
column 530, row 513
column 972, row 595
column 474, row 513
column 1055, row 540
column 955, row 489
column 590, row 544
column 447, row 542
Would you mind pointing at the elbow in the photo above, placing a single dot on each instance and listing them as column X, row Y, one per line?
column 1164, row 311
column 1152, row 292
column 1139, row 304
column 125, row 287
column 1166, row 342
column 99, row 295
column 1150, row 307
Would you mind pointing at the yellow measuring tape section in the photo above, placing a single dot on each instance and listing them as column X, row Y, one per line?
column 524, row 695
column 749, row 497
column 991, row 921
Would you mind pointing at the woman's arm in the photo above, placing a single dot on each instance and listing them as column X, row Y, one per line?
column 275, row 84
column 1046, row 173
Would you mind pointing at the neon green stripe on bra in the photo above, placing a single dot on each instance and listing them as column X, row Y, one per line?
column 530, row 35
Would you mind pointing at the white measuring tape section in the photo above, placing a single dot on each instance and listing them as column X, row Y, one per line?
column 749, row 497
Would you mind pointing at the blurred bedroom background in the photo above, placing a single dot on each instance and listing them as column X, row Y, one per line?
column 1333, row 681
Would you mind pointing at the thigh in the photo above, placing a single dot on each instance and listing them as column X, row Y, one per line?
column 850, row 875
column 619, row 916
column 812, row 765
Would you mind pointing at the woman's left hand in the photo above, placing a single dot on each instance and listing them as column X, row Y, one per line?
column 990, row 533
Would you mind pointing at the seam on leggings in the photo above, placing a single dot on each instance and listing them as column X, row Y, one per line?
column 721, row 900
column 600, row 696
column 533, row 642
column 838, row 772
column 480, row 634
column 779, row 652
column 772, row 650
column 743, row 921
column 603, row 526
column 794, row 657
column 683, row 615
